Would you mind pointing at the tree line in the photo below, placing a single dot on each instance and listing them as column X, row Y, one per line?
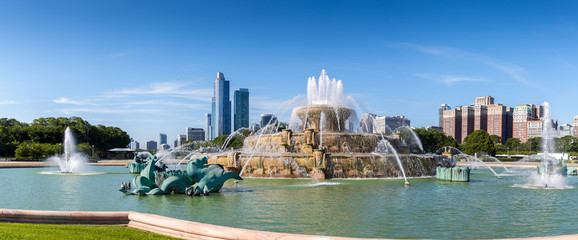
column 44, row 136
column 480, row 141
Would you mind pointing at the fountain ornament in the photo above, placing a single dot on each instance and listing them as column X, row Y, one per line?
column 198, row 178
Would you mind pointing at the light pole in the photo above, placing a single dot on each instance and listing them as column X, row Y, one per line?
column 92, row 151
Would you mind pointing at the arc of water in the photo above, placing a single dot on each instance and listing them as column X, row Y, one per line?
column 394, row 152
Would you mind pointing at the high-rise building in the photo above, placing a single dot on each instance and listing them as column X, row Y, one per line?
column 195, row 134
column 484, row 101
column 383, row 124
column 221, row 106
column 565, row 130
column 522, row 115
column 162, row 139
column 500, row 121
column 533, row 129
column 267, row 118
column 481, row 117
column 366, row 124
column 208, row 127
column 576, row 126
column 134, row 145
column 453, row 123
column 468, row 122
column 441, row 114
column 241, row 108
column 151, row 145
column 181, row 138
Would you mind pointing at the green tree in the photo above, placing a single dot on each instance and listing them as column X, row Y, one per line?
column 496, row 139
column 534, row 144
column 512, row 143
column 36, row 150
column 479, row 142
column 432, row 140
column 566, row 143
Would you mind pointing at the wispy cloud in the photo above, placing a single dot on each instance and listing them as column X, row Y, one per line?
column 514, row 71
column 164, row 98
column 64, row 100
column 103, row 110
column 434, row 50
column 450, row 79
column 173, row 89
column 121, row 54
column 8, row 102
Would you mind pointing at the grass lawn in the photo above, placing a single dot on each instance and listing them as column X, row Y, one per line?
column 84, row 232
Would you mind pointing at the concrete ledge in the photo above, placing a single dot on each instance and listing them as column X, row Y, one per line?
column 63, row 217
column 165, row 225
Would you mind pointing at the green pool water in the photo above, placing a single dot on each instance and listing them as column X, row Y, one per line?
column 486, row 207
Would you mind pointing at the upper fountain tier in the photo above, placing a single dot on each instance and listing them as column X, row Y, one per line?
column 325, row 91
column 327, row 106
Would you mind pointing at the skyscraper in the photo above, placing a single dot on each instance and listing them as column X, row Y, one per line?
column 522, row 115
column 221, row 106
column 162, row 139
column 453, row 123
column 208, row 127
column 441, row 114
column 576, row 126
column 241, row 108
column 267, row 118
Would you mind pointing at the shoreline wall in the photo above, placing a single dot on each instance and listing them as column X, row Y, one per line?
column 165, row 225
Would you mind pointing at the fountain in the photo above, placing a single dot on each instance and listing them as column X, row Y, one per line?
column 551, row 173
column 71, row 161
column 323, row 140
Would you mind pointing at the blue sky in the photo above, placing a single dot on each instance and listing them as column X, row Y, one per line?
column 149, row 66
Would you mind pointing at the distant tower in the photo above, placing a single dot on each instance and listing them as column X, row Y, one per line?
column 267, row 118
column 208, row 127
column 162, row 139
column 241, row 108
column 441, row 114
column 221, row 104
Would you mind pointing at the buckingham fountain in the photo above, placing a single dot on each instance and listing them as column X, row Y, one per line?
column 324, row 141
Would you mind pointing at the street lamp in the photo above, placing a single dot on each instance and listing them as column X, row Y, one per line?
column 93, row 151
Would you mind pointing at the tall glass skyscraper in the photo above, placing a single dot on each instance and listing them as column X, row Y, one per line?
column 241, row 108
column 162, row 138
column 221, row 114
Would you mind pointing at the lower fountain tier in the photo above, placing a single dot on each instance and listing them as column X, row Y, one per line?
column 305, row 142
column 320, row 165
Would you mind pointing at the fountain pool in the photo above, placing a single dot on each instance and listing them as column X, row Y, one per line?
column 486, row 207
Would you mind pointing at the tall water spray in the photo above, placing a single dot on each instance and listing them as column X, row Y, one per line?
column 327, row 91
column 70, row 160
column 552, row 171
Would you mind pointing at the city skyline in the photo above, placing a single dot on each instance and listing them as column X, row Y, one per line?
column 150, row 69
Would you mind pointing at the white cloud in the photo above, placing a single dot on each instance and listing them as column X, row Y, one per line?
column 171, row 89
column 450, row 79
column 514, row 71
column 8, row 102
column 121, row 54
column 64, row 100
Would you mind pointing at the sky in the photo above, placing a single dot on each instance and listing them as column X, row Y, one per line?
column 148, row 67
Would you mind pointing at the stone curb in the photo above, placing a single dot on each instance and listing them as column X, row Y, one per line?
column 166, row 226
column 148, row 222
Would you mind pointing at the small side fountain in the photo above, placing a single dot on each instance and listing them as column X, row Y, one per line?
column 552, row 171
column 70, row 161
